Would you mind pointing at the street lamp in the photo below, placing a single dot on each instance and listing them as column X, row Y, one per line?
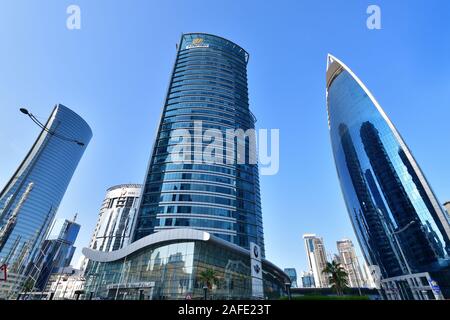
column 205, row 292
column 53, row 133
column 288, row 289
column 395, row 233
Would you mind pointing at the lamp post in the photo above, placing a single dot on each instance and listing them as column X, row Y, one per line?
column 205, row 292
column 288, row 289
column 395, row 233
column 51, row 132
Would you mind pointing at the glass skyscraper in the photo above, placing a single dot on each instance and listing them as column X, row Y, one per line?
column 196, row 215
column 208, row 86
column 401, row 227
column 56, row 251
column 292, row 273
column 30, row 199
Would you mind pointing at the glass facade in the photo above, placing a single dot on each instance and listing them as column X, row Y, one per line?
column 56, row 252
column 29, row 201
column 171, row 270
column 208, row 85
column 292, row 273
column 399, row 223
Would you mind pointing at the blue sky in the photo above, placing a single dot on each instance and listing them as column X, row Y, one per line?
column 114, row 72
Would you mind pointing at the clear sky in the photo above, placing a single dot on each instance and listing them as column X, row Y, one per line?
column 114, row 72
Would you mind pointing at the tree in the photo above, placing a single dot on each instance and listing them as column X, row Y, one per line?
column 28, row 286
column 338, row 278
column 209, row 277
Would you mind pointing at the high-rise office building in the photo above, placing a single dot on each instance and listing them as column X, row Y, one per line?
column 447, row 206
column 116, row 218
column 402, row 229
column 29, row 200
column 56, row 252
column 200, row 208
column 208, row 91
column 350, row 263
column 292, row 273
column 307, row 279
column 317, row 259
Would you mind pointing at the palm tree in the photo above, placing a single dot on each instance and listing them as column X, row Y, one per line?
column 28, row 286
column 209, row 277
column 338, row 278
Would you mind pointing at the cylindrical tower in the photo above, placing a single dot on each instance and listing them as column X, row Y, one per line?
column 116, row 218
column 207, row 91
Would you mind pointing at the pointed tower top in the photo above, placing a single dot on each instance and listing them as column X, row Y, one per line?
column 334, row 67
column 330, row 60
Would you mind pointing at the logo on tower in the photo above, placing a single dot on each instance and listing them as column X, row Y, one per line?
column 256, row 251
column 256, row 264
column 197, row 43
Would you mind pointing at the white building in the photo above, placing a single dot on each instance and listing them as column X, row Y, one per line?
column 371, row 276
column 317, row 259
column 116, row 219
column 66, row 285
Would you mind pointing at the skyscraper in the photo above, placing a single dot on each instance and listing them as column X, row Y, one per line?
column 56, row 252
column 350, row 263
column 292, row 273
column 116, row 218
column 200, row 209
column 29, row 200
column 447, row 206
column 401, row 227
column 208, row 91
column 317, row 259
column 307, row 279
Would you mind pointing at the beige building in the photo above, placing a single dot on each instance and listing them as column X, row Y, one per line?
column 317, row 259
column 447, row 206
column 349, row 261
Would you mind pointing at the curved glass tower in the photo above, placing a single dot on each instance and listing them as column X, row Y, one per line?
column 207, row 90
column 400, row 225
column 30, row 199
